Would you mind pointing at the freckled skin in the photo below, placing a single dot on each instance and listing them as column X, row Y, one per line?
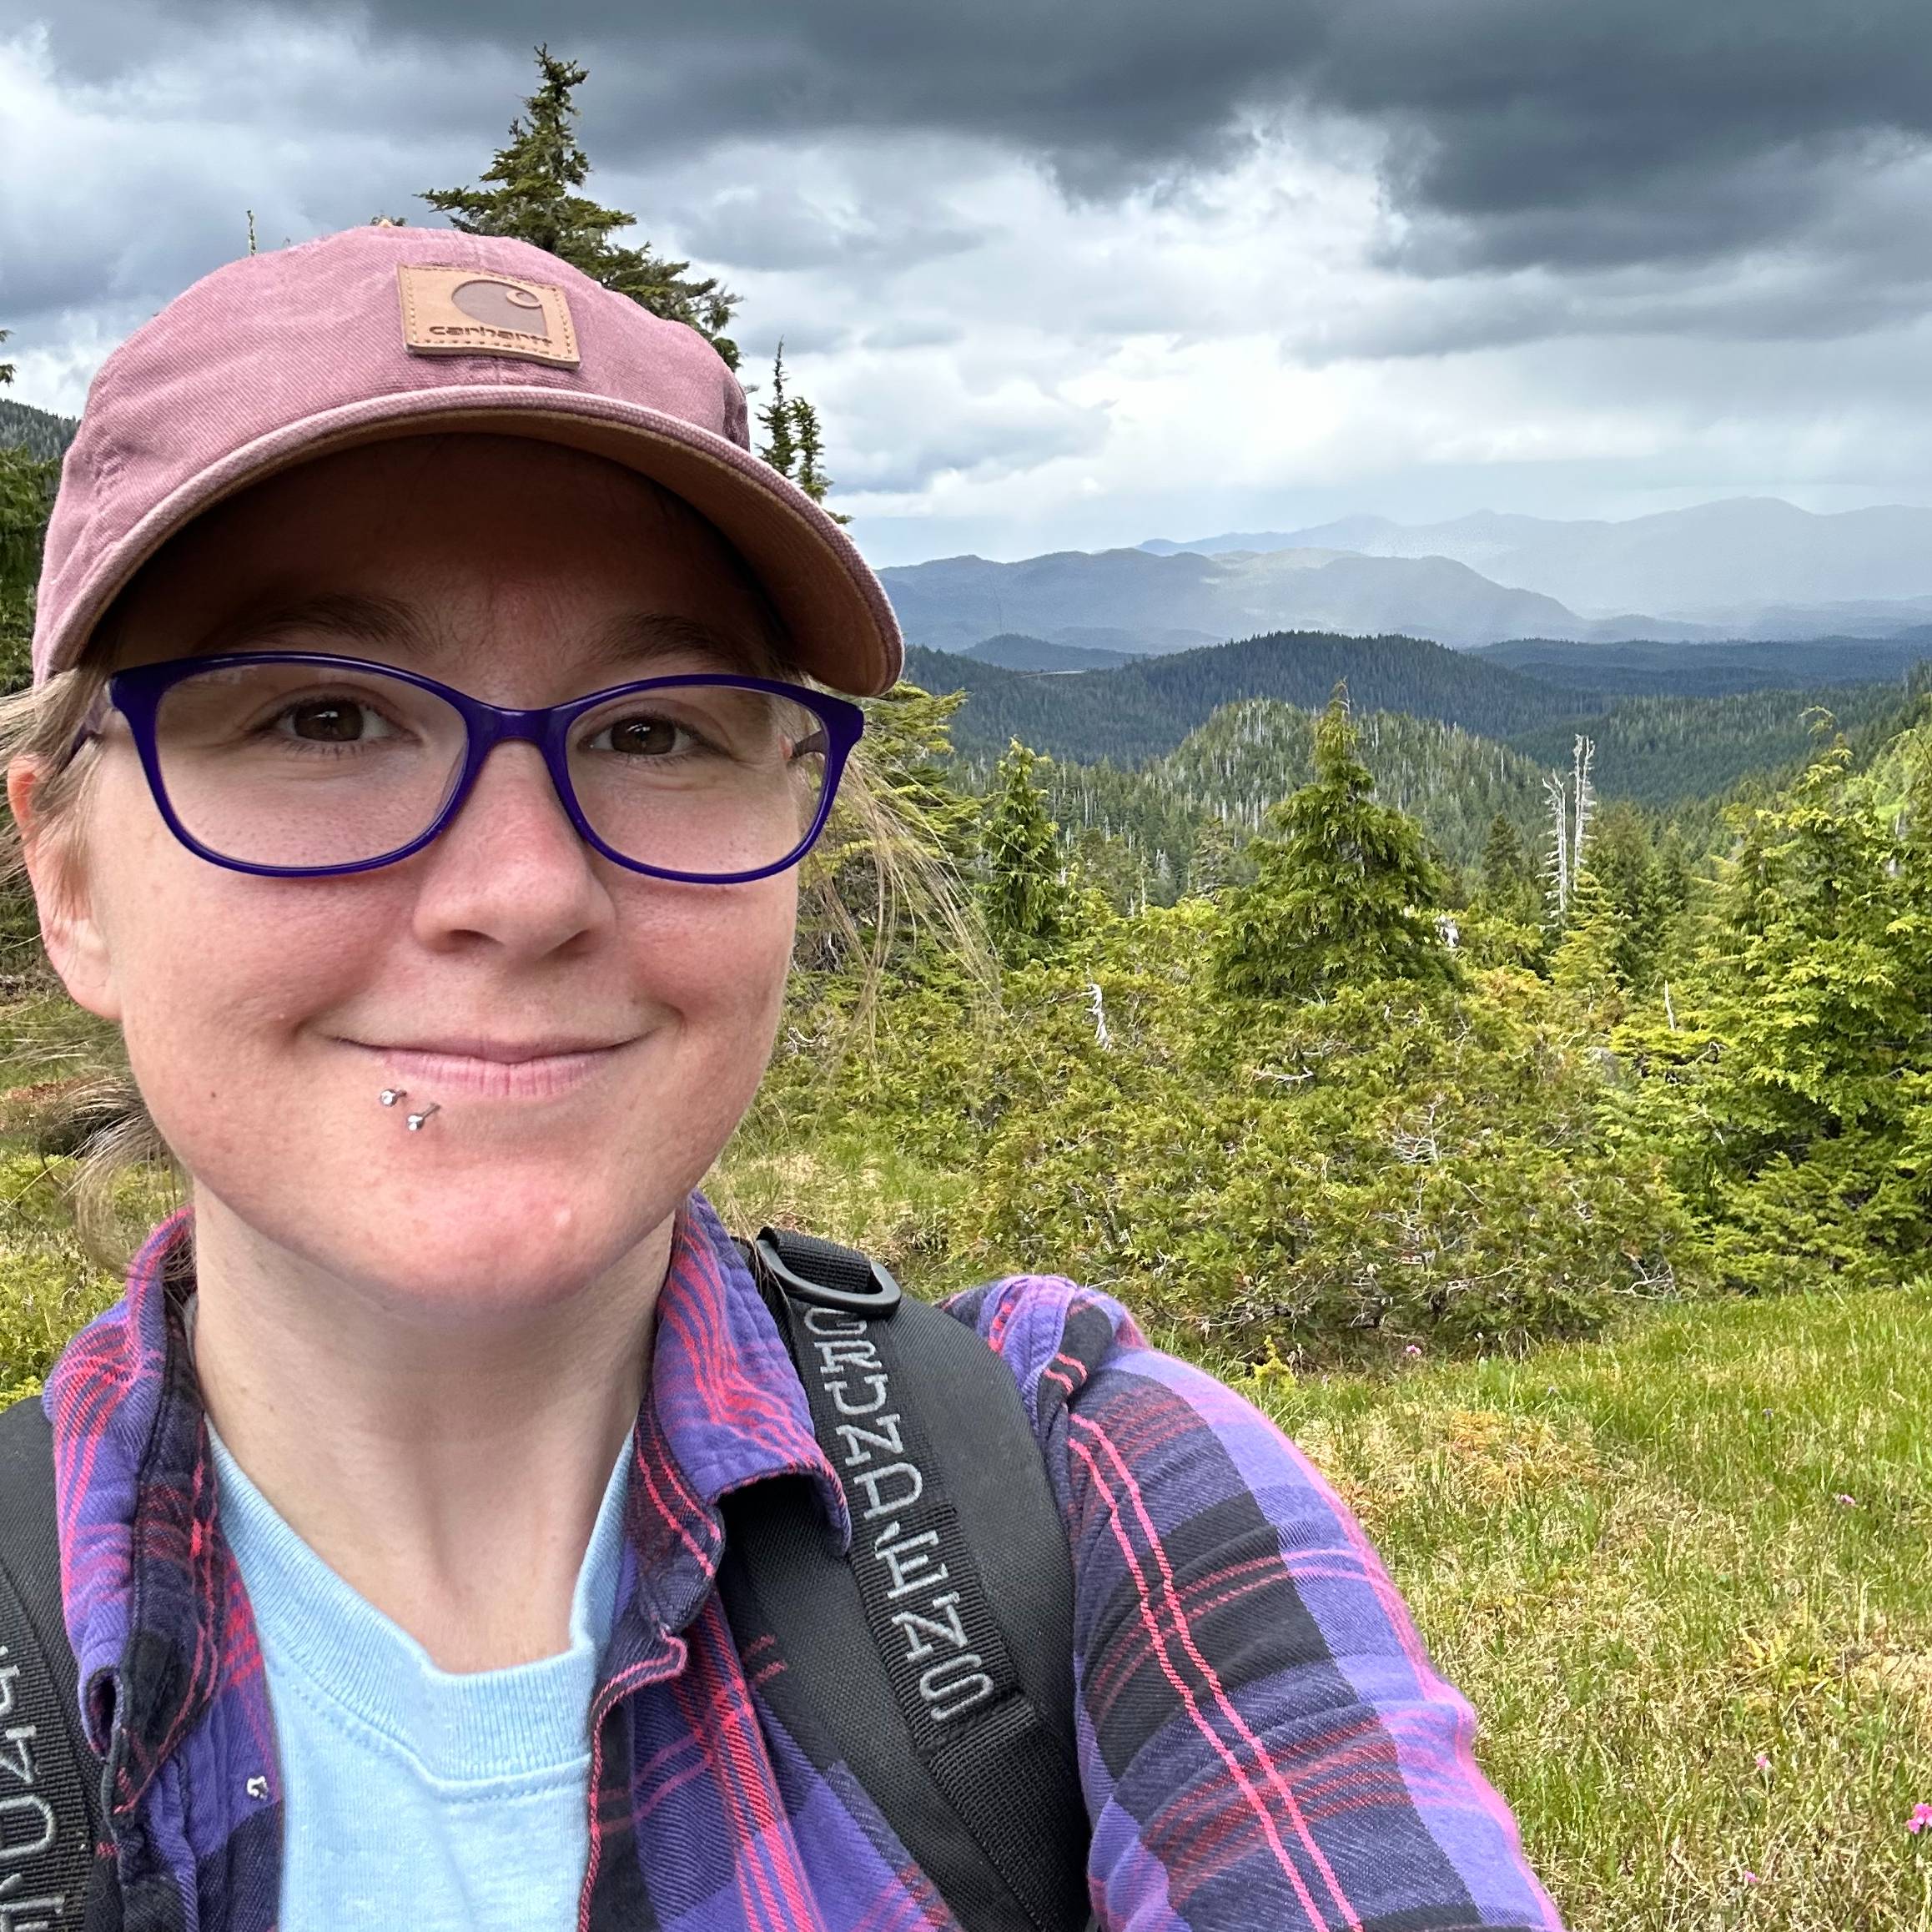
column 237, row 995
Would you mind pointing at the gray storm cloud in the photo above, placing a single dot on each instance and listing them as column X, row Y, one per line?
column 1515, row 132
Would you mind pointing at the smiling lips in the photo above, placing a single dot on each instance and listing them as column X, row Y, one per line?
column 482, row 1069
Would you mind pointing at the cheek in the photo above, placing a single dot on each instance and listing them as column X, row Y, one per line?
column 721, row 967
column 216, row 971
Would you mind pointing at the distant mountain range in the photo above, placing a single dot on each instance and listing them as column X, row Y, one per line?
column 1752, row 568
column 1746, row 567
column 1132, row 601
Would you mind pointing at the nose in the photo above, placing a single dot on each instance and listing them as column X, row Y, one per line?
column 509, row 869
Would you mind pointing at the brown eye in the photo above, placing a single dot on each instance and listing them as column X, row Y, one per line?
column 639, row 737
column 330, row 722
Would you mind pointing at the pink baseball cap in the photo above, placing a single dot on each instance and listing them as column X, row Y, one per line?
column 379, row 333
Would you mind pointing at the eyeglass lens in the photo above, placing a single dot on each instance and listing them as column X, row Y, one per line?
column 301, row 765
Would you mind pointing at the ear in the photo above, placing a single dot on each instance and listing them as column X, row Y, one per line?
column 73, row 936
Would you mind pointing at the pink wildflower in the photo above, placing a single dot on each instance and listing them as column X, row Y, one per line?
column 1763, row 1762
column 1846, row 1501
column 1921, row 1817
column 1750, row 1878
column 1413, row 1349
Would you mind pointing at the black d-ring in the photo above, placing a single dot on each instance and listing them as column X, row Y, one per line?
column 880, row 1298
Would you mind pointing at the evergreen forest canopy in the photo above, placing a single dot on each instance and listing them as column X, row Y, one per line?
column 1338, row 1095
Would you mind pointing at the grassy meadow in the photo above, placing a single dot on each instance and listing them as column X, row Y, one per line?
column 1681, row 1572
column 1680, row 1569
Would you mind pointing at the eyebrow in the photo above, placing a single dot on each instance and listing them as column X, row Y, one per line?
column 638, row 637
column 630, row 639
column 349, row 616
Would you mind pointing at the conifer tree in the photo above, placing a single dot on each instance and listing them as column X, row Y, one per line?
column 1509, row 887
column 1803, row 1134
column 1210, row 868
column 794, row 444
column 811, row 478
column 528, row 192
column 1625, row 864
column 780, row 448
column 1590, row 956
column 1345, row 888
column 1027, row 902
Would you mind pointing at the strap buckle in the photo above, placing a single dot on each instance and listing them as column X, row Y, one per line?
column 880, row 1298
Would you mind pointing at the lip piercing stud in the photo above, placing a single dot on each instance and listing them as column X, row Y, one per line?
column 390, row 1095
column 414, row 1122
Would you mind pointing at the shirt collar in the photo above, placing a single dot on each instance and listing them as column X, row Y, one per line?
column 147, row 1574
column 724, row 1409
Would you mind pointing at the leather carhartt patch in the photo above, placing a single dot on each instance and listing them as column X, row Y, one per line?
column 464, row 312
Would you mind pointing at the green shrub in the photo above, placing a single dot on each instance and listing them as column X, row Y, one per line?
column 1388, row 1165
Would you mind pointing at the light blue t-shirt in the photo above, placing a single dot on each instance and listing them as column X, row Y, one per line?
column 416, row 1798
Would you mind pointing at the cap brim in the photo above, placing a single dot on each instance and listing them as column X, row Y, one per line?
column 841, row 627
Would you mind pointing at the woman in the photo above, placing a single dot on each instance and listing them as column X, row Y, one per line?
column 390, row 1497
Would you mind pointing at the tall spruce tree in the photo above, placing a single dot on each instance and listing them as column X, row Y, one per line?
column 1509, row 887
column 777, row 418
column 1590, row 958
column 811, row 478
column 529, row 193
column 1027, row 902
column 1624, row 860
column 794, row 443
column 1345, row 888
column 1211, row 866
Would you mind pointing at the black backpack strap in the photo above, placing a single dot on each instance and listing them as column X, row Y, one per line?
column 936, row 1659
column 49, row 1799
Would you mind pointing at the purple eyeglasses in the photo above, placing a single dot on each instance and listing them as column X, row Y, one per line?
column 297, row 764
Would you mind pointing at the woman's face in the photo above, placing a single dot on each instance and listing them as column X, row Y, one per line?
column 590, row 1035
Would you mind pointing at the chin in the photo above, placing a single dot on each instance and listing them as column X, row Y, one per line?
column 470, row 1261
column 463, row 1239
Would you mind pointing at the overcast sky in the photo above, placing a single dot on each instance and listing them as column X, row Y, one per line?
column 1068, row 273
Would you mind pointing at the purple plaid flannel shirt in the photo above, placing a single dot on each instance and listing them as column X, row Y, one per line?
column 1262, row 1741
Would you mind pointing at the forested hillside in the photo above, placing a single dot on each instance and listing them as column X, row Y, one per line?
column 1660, row 749
column 1143, row 710
column 41, row 434
column 1710, row 670
column 1345, row 1100
column 1140, row 834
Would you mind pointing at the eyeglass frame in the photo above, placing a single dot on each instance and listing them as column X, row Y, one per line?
column 137, row 693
